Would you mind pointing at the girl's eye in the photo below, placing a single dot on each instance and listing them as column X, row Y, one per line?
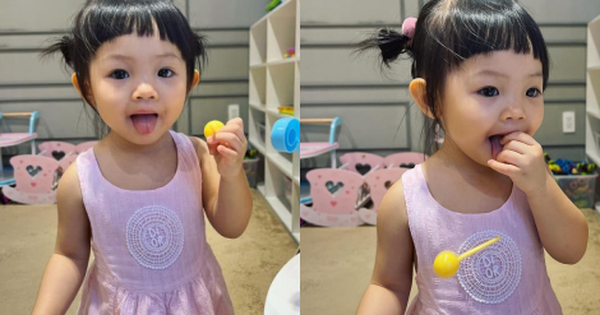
column 119, row 74
column 165, row 73
column 489, row 91
column 533, row 92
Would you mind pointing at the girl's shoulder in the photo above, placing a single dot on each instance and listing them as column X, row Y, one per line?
column 200, row 145
column 392, row 215
column 202, row 151
column 69, row 186
column 393, row 205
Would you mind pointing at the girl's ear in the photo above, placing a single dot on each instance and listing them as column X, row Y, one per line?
column 418, row 90
column 78, row 88
column 196, row 79
column 75, row 83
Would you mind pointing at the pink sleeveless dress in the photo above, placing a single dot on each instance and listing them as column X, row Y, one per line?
column 508, row 277
column 151, row 254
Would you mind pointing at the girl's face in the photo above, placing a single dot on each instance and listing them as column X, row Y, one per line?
column 138, row 85
column 491, row 95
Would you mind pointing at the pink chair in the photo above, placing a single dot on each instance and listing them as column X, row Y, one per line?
column 361, row 162
column 379, row 182
column 35, row 177
column 9, row 138
column 312, row 149
column 404, row 159
column 34, row 185
column 63, row 152
column 333, row 193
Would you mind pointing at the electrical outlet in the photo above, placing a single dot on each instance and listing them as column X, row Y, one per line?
column 568, row 125
column 233, row 111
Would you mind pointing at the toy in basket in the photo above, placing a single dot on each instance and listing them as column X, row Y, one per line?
column 577, row 180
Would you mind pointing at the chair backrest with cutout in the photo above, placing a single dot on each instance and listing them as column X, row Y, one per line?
column 361, row 162
column 34, row 173
column 404, row 159
column 334, row 191
column 380, row 181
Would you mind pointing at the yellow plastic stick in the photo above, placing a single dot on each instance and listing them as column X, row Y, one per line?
column 446, row 263
column 478, row 248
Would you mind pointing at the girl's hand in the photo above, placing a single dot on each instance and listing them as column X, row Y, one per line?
column 521, row 159
column 228, row 145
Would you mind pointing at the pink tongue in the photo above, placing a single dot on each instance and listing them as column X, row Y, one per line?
column 496, row 146
column 144, row 124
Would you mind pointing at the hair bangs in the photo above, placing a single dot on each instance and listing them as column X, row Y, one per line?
column 482, row 27
column 106, row 21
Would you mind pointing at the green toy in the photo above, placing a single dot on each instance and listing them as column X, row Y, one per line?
column 272, row 5
column 250, row 154
column 567, row 167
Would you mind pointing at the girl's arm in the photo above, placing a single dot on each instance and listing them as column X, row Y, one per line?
column 67, row 266
column 560, row 224
column 392, row 276
column 225, row 190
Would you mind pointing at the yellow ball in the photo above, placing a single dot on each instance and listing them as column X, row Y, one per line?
column 446, row 264
column 212, row 127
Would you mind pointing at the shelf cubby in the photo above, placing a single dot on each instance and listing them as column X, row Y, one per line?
column 274, row 81
column 593, row 43
column 258, row 43
column 258, row 86
column 257, row 129
column 280, row 85
column 281, row 31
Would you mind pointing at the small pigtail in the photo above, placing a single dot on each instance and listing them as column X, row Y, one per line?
column 65, row 45
column 199, row 47
column 391, row 43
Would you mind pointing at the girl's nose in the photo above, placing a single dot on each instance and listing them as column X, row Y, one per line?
column 514, row 111
column 145, row 91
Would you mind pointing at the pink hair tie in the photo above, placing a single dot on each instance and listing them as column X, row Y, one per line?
column 408, row 27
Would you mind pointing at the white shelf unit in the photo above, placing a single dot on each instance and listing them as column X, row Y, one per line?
column 274, row 82
column 592, row 97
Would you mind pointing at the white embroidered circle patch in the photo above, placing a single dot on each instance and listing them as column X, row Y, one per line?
column 491, row 275
column 154, row 237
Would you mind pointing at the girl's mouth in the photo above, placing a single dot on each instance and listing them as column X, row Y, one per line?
column 144, row 123
column 496, row 146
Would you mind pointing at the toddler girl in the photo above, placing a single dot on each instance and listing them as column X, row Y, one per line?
column 139, row 197
column 479, row 70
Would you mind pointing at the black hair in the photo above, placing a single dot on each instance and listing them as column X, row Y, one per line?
column 100, row 21
column 449, row 32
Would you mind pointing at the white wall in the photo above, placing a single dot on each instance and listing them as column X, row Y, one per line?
column 337, row 82
column 28, row 83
